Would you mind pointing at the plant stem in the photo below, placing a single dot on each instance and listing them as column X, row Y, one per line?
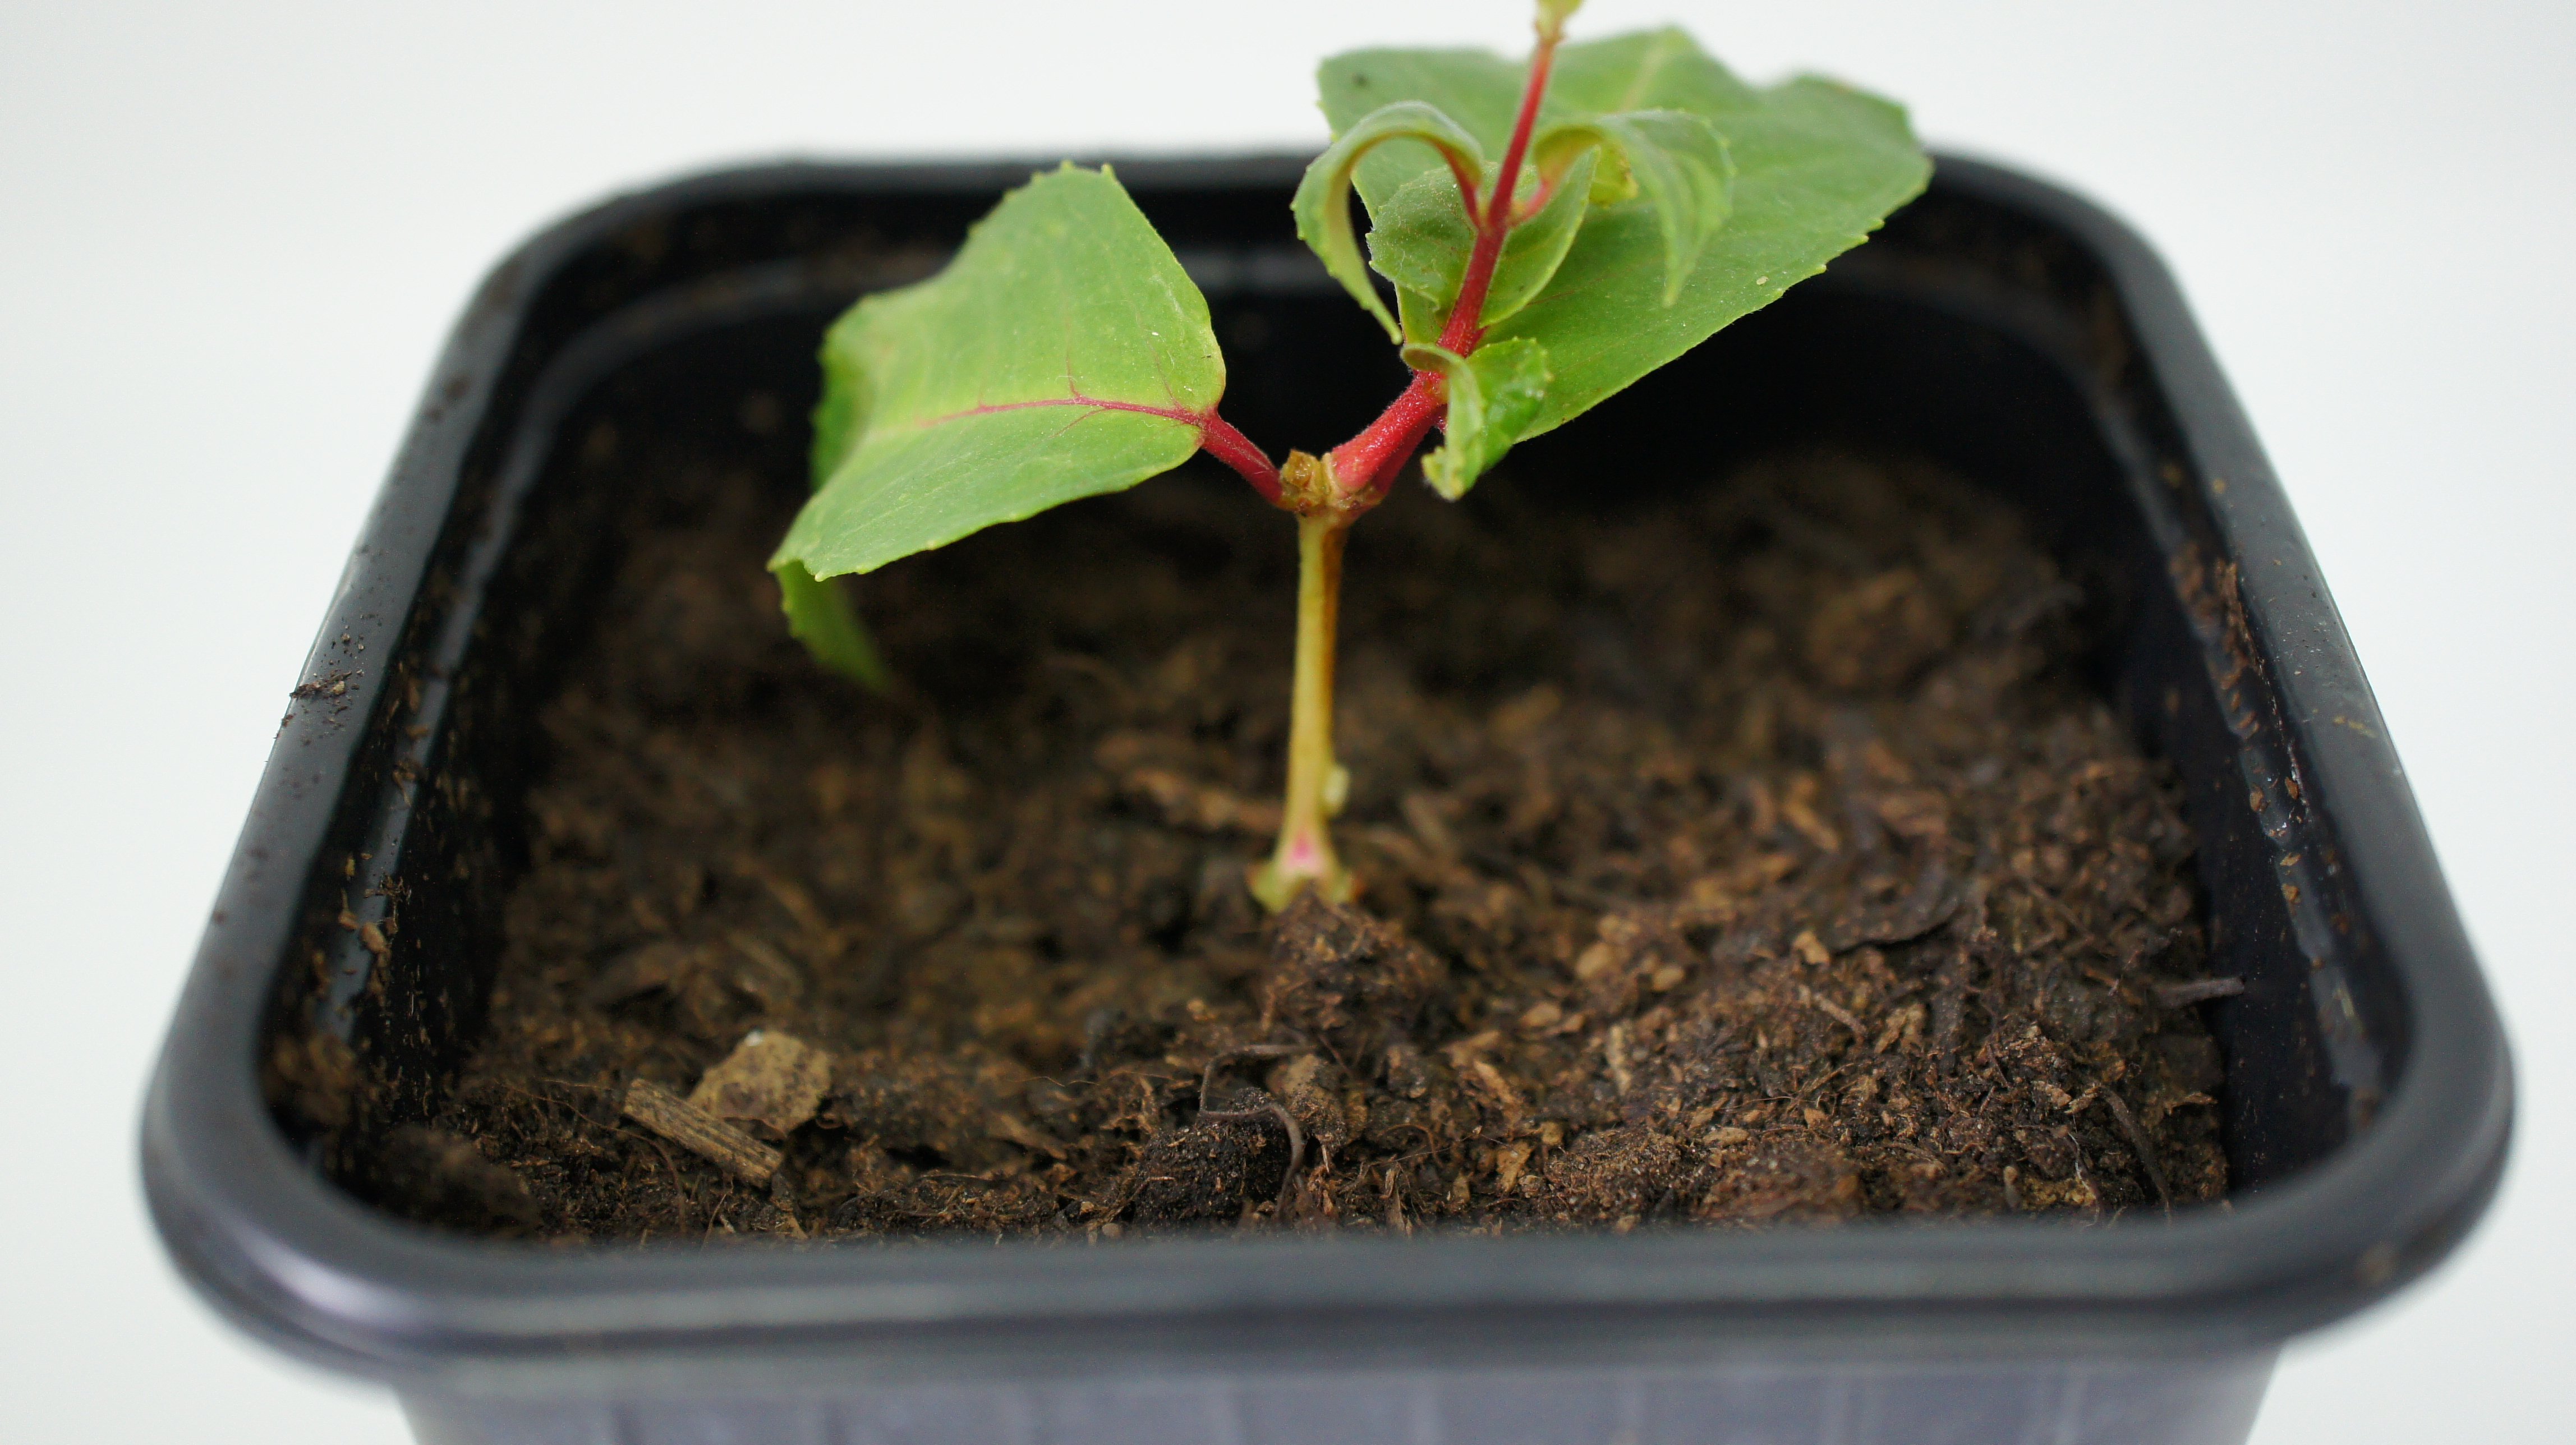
column 1365, row 466
column 1305, row 854
column 1466, row 318
column 1329, row 494
column 1221, row 441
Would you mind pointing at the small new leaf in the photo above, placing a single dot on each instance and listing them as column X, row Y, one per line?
column 1493, row 395
column 1422, row 242
column 1476, row 89
column 1675, row 162
column 1323, row 201
column 1062, row 354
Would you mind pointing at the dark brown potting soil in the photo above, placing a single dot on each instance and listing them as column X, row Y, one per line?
column 1757, row 857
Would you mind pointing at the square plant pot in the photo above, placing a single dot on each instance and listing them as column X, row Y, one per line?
column 2004, row 329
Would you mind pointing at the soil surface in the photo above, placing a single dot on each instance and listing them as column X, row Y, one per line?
column 1760, row 857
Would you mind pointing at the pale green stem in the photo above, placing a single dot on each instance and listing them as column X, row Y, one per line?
column 1315, row 781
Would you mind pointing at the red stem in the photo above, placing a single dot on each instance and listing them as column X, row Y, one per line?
column 1365, row 466
column 1468, row 181
column 1221, row 441
column 1464, row 331
column 1217, row 436
column 1544, row 193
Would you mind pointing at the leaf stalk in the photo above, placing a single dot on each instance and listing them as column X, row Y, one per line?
column 1219, row 439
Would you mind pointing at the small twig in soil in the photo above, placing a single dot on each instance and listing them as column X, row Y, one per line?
column 1837, row 1012
column 1296, row 1136
column 1083, row 664
column 2198, row 990
column 1614, row 1051
column 700, row 1132
column 2138, row 1141
column 1269, row 1106
column 1222, row 1057
column 1806, row 1097
column 1189, row 804
column 679, row 1185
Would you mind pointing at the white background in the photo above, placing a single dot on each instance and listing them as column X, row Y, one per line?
column 231, row 236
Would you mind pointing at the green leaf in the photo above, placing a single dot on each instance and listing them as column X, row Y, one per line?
column 1062, row 354
column 1493, row 395
column 819, row 615
column 1322, row 204
column 1476, row 89
column 1422, row 241
column 1425, row 316
column 836, row 416
column 1675, row 162
column 1643, row 70
column 1818, row 166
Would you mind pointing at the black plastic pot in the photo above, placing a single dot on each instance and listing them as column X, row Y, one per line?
column 2003, row 327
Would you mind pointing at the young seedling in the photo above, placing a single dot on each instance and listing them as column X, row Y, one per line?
column 1552, row 230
